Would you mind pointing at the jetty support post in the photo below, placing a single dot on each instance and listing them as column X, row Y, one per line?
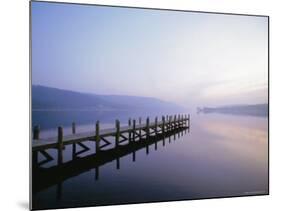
column 36, row 132
column 175, row 122
column 179, row 121
column 36, row 136
column 169, row 124
column 147, row 128
column 134, row 130
column 140, row 128
column 163, row 125
column 188, row 122
column 60, row 145
column 97, row 137
column 73, row 127
column 156, row 126
column 130, row 133
column 117, row 134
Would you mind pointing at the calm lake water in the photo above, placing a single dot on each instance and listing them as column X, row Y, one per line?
column 222, row 155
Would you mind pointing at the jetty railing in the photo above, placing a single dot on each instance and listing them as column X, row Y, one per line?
column 131, row 133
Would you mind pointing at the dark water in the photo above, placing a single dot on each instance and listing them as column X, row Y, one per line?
column 222, row 155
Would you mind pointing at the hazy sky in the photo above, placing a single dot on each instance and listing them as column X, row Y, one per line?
column 188, row 58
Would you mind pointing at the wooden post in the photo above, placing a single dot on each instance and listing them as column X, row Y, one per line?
column 175, row 119
column 60, row 145
column 188, row 122
column 156, row 126
column 147, row 127
column 97, row 136
column 185, row 120
column 117, row 135
column 134, row 130
column 179, row 119
column 36, row 132
column 140, row 128
column 130, row 133
column 73, row 128
column 74, row 144
column 163, row 125
column 36, row 136
column 170, row 122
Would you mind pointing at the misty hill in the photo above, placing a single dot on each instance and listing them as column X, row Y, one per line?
column 52, row 98
column 252, row 110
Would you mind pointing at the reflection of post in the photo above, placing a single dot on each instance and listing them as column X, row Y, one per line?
column 97, row 173
column 117, row 135
column 60, row 145
column 164, row 141
column 118, row 163
column 134, row 156
column 35, row 158
column 130, row 133
column 97, row 136
column 169, row 139
column 155, row 145
column 59, row 191
column 147, row 149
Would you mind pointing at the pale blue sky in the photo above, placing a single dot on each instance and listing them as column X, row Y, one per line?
column 187, row 58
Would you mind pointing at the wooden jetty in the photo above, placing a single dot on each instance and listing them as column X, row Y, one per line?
column 46, row 177
column 131, row 133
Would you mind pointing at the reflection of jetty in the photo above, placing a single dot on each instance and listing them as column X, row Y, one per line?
column 129, row 133
column 55, row 175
